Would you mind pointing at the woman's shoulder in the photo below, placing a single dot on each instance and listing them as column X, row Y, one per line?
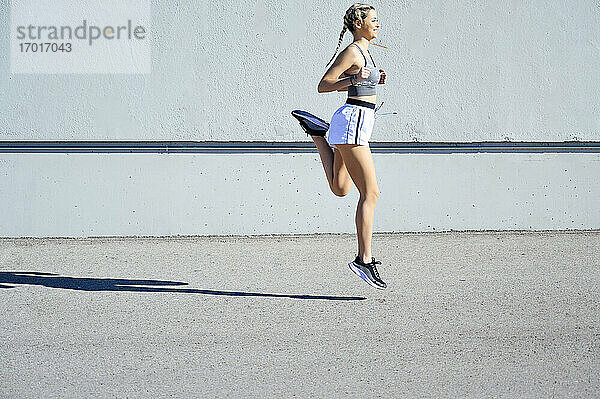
column 351, row 47
column 352, row 51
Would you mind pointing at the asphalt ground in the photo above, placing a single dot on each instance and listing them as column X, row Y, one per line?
column 466, row 314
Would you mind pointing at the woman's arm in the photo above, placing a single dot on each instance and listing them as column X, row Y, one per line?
column 331, row 82
column 342, row 77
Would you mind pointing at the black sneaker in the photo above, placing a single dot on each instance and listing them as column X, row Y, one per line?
column 368, row 272
column 312, row 125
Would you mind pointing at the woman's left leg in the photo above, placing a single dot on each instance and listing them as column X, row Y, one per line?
column 335, row 169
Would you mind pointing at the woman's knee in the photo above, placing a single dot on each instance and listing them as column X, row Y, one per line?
column 341, row 191
column 370, row 196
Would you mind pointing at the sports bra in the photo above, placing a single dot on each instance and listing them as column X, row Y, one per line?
column 368, row 86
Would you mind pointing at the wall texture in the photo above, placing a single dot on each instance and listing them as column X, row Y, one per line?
column 232, row 71
column 458, row 71
column 80, row 195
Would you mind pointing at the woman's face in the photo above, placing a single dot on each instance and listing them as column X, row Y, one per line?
column 370, row 26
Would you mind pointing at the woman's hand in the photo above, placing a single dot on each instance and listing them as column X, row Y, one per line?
column 382, row 77
column 362, row 74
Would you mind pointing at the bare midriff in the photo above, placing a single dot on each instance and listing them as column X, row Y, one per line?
column 370, row 99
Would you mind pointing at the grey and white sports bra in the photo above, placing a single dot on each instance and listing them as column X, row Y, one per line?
column 368, row 86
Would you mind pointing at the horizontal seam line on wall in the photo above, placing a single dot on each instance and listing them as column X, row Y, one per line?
column 286, row 147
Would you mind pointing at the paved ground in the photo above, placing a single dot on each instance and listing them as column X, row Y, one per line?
column 476, row 315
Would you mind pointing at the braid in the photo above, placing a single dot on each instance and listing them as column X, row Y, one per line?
column 344, row 29
column 357, row 11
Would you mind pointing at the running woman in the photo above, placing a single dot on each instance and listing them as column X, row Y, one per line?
column 351, row 125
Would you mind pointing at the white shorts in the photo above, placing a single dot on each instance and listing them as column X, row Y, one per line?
column 351, row 124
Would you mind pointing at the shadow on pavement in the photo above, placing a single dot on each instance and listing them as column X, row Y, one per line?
column 52, row 280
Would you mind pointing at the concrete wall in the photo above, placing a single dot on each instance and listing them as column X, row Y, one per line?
column 83, row 195
column 458, row 71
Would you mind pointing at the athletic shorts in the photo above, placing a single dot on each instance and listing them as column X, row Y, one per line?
column 352, row 123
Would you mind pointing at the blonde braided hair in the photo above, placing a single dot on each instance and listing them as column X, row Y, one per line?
column 357, row 11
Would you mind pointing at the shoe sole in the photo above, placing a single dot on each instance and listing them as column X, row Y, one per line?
column 360, row 274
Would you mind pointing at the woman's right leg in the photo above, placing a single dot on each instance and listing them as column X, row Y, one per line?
column 359, row 163
column 335, row 169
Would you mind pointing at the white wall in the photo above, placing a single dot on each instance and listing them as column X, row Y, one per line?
column 232, row 71
column 458, row 71
column 79, row 195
